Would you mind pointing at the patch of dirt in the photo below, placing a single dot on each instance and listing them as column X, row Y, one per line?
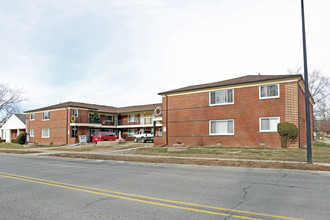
column 281, row 165
column 18, row 151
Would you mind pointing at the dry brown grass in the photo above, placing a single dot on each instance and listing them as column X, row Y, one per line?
column 8, row 151
column 281, row 165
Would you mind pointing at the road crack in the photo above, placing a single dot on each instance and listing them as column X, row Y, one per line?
column 245, row 192
column 282, row 177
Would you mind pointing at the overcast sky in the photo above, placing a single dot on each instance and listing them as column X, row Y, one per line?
column 124, row 52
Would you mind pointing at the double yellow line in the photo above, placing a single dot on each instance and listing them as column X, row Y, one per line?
column 146, row 199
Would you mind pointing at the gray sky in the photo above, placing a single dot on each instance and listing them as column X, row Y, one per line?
column 123, row 52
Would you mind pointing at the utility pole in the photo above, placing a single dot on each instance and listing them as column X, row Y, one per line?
column 308, row 121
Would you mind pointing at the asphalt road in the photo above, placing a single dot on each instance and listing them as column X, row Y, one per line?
column 34, row 187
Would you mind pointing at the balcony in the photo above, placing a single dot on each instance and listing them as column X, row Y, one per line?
column 146, row 121
column 85, row 120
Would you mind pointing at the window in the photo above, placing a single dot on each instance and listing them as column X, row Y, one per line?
column 132, row 132
column 45, row 133
column 132, row 118
column 45, row 116
column 108, row 118
column 222, row 127
column 160, row 131
column 222, row 97
column 75, row 112
column 269, row 91
column 31, row 132
column 32, row 116
column 269, row 124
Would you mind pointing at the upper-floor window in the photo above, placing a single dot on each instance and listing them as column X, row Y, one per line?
column 75, row 112
column 269, row 91
column 32, row 116
column 108, row 118
column 132, row 118
column 45, row 116
column 222, row 127
column 269, row 124
column 222, row 97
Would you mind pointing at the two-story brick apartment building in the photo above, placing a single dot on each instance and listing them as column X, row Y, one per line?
column 242, row 111
column 63, row 123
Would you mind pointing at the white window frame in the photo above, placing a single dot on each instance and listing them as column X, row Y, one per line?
column 226, row 103
column 74, row 109
column 129, row 117
column 129, row 133
column 43, row 118
column 226, row 120
column 42, row 133
column 31, row 132
column 270, row 97
column 278, row 121
column 34, row 117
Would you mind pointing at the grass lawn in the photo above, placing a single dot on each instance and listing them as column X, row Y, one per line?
column 320, row 152
column 19, row 146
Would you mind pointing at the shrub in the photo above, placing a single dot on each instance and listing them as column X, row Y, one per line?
column 21, row 138
column 288, row 132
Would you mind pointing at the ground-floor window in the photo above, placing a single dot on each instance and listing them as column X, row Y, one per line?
column 160, row 131
column 222, row 127
column 31, row 132
column 269, row 124
column 131, row 132
column 45, row 133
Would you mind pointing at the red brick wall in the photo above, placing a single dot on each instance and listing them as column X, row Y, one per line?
column 189, row 117
column 56, row 124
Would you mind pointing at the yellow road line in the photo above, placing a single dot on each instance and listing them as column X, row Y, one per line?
column 157, row 199
column 132, row 199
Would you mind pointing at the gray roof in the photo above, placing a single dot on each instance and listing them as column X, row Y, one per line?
column 234, row 81
column 21, row 117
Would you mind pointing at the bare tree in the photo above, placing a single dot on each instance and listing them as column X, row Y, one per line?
column 319, row 87
column 10, row 100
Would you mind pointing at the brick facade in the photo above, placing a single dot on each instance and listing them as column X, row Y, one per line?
column 189, row 116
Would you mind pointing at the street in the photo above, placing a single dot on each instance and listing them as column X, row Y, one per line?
column 34, row 187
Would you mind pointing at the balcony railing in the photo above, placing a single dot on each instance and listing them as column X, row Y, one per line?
column 146, row 121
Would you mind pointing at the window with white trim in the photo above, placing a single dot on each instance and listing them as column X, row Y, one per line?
column 32, row 116
column 269, row 91
column 31, row 132
column 75, row 112
column 45, row 116
column 222, row 97
column 131, row 132
column 269, row 124
column 222, row 127
column 45, row 133
column 132, row 118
